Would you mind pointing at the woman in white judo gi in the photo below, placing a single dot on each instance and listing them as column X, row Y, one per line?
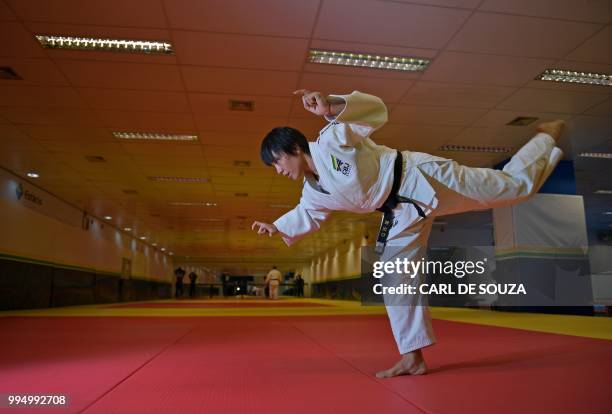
column 345, row 170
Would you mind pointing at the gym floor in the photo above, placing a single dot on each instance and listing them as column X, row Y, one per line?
column 300, row 355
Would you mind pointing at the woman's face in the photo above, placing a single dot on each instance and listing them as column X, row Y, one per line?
column 292, row 166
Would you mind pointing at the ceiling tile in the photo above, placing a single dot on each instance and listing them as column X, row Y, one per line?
column 460, row 95
column 22, row 44
column 520, row 36
column 122, row 75
column 239, row 51
column 266, row 17
column 485, row 69
column 207, row 104
column 238, row 124
column 590, row 11
column 545, row 100
column 67, row 133
column 39, row 96
column 604, row 109
column 239, row 81
column 135, row 100
column 147, row 121
column 435, row 115
column 135, row 13
column 35, row 71
column 50, row 116
column 388, row 23
column 596, row 49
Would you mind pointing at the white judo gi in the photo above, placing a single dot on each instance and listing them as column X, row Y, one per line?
column 356, row 175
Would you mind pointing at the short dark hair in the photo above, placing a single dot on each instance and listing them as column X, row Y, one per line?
column 282, row 140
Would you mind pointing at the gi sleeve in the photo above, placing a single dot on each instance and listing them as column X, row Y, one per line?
column 362, row 113
column 304, row 219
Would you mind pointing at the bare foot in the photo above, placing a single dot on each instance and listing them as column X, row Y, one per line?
column 553, row 128
column 411, row 363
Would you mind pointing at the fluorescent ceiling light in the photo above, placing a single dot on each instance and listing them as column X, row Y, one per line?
column 603, row 192
column 33, row 174
column 571, row 76
column 367, row 60
column 608, row 213
column 474, row 148
column 198, row 203
column 154, row 136
column 180, row 179
column 105, row 44
column 596, row 154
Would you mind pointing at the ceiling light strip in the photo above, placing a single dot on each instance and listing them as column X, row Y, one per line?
column 596, row 154
column 475, row 148
column 366, row 60
column 154, row 136
column 179, row 179
column 571, row 76
column 105, row 44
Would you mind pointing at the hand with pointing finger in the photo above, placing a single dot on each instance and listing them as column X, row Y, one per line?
column 264, row 228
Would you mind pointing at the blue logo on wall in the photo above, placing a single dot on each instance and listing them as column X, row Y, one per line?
column 19, row 191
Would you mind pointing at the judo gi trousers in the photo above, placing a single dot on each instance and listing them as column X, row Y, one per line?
column 458, row 189
column 274, row 289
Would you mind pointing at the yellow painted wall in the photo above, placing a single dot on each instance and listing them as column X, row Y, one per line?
column 52, row 232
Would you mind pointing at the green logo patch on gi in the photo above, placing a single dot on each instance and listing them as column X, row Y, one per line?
column 341, row 166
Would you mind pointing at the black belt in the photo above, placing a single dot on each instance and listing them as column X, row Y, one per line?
column 390, row 203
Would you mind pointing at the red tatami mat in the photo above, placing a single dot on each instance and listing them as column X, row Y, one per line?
column 214, row 304
column 300, row 365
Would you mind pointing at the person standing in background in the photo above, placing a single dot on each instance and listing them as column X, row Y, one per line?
column 179, row 273
column 273, row 280
column 192, row 284
column 299, row 286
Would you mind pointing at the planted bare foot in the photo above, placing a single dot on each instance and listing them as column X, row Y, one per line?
column 411, row 363
column 552, row 128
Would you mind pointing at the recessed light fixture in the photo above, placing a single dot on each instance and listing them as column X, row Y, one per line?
column 474, row 148
column 154, row 136
column 572, row 76
column 108, row 217
column 596, row 155
column 179, row 179
column 143, row 238
column 8, row 73
column 127, row 229
column 95, row 158
column 603, row 192
column 368, row 60
column 105, row 44
column 163, row 249
column 235, row 105
column 522, row 121
column 242, row 163
column 33, row 174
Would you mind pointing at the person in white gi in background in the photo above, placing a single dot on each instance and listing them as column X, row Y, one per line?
column 273, row 279
column 345, row 170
